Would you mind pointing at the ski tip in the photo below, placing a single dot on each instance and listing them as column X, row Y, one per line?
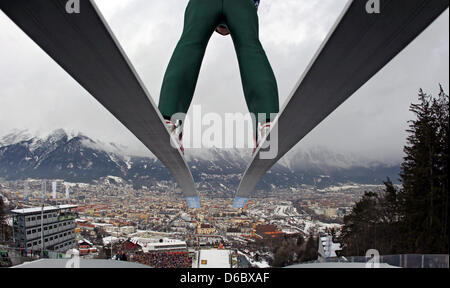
column 239, row 203
column 193, row 202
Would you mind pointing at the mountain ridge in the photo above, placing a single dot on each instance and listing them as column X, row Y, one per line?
column 78, row 158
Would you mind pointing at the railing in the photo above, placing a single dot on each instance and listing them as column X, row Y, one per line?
column 402, row 260
column 66, row 217
column 20, row 256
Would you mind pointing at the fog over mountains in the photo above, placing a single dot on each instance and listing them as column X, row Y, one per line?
column 75, row 157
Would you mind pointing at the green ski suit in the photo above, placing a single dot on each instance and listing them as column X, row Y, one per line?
column 201, row 19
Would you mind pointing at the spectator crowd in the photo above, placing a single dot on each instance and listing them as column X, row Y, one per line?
column 163, row 259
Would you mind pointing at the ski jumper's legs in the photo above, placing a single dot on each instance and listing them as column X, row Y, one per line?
column 201, row 19
column 258, row 79
column 180, row 80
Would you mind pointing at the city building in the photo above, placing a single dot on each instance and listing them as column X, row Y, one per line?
column 55, row 225
column 86, row 247
column 84, row 225
column 127, row 230
column 205, row 229
column 159, row 244
column 234, row 232
column 331, row 212
column 267, row 232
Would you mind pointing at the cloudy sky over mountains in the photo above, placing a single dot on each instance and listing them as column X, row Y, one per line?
column 36, row 94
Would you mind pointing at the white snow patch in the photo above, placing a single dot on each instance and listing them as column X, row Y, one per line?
column 115, row 178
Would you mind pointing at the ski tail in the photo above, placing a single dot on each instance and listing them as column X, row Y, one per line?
column 193, row 202
column 239, row 202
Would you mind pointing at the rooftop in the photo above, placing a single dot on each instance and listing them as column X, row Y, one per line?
column 338, row 265
column 39, row 209
column 64, row 263
column 214, row 258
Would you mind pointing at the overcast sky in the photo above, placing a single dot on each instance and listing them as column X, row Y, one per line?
column 36, row 94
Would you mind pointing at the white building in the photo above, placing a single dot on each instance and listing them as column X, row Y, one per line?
column 214, row 258
column 127, row 230
column 110, row 239
column 55, row 225
column 160, row 244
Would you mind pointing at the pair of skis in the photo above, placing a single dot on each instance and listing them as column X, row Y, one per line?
column 360, row 44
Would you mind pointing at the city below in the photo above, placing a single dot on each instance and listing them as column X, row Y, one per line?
column 153, row 225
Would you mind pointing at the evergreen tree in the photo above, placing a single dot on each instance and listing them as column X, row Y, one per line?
column 300, row 241
column 281, row 257
column 424, row 197
column 413, row 219
column 389, row 220
column 311, row 252
column 359, row 232
column 373, row 224
column 441, row 110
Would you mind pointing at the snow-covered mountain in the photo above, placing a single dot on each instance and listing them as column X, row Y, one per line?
column 14, row 136
column 78, row 158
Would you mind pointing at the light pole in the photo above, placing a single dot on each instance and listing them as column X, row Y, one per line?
column 44, row 191
column 14, row 228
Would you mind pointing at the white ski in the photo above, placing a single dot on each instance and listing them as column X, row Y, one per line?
column 366, row 37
